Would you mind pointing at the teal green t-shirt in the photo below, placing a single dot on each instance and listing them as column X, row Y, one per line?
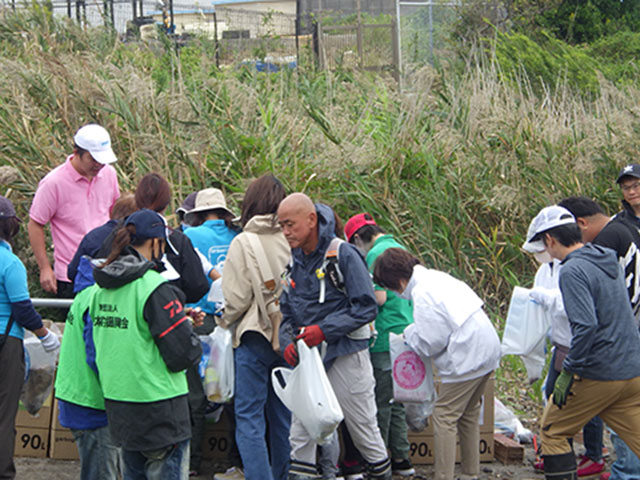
column 396, row 313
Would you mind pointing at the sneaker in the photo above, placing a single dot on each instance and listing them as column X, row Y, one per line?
column 351, row 470
column 233, row 473
column 588, row 467
column 605, row 476
column 403, row 468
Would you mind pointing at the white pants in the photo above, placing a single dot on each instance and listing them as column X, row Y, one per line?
column 351, row 377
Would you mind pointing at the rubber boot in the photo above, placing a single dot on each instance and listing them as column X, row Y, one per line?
column 560, row 467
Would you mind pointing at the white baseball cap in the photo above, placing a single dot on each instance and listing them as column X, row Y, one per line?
column 548, row 218
column 96, row 140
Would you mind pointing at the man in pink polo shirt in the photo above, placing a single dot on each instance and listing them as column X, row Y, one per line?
column 74, row 198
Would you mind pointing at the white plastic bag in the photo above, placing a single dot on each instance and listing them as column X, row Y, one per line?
column 306, row 391
column 219, row 373
column 509, row 425
column 534, row 361
column 412, row 374
column 527, row 324
column 40, row 369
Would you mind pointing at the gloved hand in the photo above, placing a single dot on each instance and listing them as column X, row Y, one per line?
column 312, row 335
column 561, row 389
column 543, row 296
column 291, row 355
column 50, row 341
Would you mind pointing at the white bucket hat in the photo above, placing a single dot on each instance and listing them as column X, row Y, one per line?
column 96, row 140
column 548, row 218
column 209, row 199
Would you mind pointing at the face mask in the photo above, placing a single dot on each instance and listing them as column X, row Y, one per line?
column 543, row 257
column 158, row 265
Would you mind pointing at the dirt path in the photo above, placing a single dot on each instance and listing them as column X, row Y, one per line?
column 47, row 469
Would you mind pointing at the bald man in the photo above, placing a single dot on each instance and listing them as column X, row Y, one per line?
column 338, row 315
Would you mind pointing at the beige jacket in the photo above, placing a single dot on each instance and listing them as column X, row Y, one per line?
column 240, row 308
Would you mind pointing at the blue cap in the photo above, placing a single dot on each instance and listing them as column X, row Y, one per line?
column 148, row 224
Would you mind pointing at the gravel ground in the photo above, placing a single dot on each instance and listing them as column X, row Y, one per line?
column 47, row 469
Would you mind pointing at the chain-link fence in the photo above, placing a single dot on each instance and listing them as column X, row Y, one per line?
column 392, row 35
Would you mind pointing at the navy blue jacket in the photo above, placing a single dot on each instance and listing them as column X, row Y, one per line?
column 606, row 342
column 340, row 314
column 90, row 245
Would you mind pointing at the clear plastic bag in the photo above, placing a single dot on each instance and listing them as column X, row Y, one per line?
column 417, row 414
column 306, row 391
column 412, row 374
column 40, row 370
column 219, row 373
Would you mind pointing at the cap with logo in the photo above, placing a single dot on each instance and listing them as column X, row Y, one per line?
column 631, row 170
column 6, row 208
column 148, row 223
column 96, row 140
column 548, row 218
column 356, row 222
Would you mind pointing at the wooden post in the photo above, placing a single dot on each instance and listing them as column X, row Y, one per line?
column 359, row 37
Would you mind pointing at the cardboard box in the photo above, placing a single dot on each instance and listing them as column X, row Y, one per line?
column 55, row 411
column 41, row 420
column 32, row 442
column 217, row 439
column 421, row 448
column 62, row 446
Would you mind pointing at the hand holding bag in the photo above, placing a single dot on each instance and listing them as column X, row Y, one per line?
column 306, row 391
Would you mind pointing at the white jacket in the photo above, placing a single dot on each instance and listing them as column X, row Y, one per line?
column 450, row 326
column 547, row 277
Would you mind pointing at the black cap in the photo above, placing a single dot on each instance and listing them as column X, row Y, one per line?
column 631, row 170
column 6, row 208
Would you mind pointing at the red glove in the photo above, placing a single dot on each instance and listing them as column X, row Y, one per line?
column 291, row 355
column 312, row 335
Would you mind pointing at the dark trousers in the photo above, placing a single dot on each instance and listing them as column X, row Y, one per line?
column 197, row 410
column 11, row 380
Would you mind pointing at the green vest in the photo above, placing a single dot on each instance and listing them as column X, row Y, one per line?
column 129, row 362
column 75, row 381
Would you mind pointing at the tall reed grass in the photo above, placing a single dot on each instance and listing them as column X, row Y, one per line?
column 456, row 167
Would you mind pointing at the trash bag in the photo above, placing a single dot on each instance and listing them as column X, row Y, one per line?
column 417, row 414
column 412, row 374
column 306, row 391
column 509, row 425
column 219, row 373
column 527, row 324
column 534, row 361
column 40, row 370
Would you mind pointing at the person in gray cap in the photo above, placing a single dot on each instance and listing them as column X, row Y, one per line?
column 629, row 181
column 73, row 198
